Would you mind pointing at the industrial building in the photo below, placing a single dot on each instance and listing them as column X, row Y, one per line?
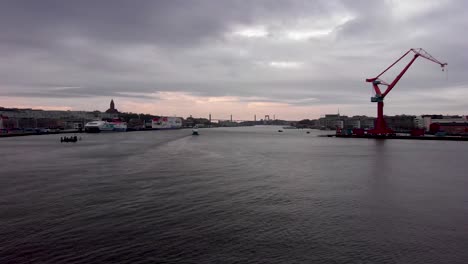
column 334, row 121
column 400, row 122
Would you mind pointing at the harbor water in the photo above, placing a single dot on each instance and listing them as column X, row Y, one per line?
column 232, row 195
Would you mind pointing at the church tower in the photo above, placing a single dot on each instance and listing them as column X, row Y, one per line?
column 112, row 109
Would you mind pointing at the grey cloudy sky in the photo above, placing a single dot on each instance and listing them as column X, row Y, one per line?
column 296, row 59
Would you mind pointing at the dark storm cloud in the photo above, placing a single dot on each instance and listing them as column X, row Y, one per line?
column 171, row 22
column 135, row 48
column 36, row 22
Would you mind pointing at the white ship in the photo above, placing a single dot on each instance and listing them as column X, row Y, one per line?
column 165, row 122
column 195, row 130
column 106, row 126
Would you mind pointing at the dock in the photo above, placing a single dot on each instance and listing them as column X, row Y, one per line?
column 445, row 138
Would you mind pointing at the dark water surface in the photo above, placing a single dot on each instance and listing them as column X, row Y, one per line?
column 232, row 195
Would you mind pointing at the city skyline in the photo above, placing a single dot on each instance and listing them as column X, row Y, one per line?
column 295, row 59
column 210, row 116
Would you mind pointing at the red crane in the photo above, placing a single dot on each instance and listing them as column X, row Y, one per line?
column 380, row 125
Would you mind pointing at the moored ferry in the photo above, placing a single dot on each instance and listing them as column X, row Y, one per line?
column 106, row 126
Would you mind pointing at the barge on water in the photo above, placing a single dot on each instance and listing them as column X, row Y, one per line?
column 415, row 134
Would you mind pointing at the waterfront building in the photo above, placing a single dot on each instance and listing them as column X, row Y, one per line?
column 26, row 122
column 367, row 122
column 334, row 121
column 36, row 118
column 7, row 123
column 351, row 123
column 47, row 123
column 454, row 128
column 428, row 120
column 331, row 121
column 166, row 122
column 400, row 122
column 135, row 124
column 419, row 122
column 452, row 125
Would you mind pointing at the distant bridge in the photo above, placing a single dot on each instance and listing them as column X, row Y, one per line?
column 233, row 120
column 267, row 118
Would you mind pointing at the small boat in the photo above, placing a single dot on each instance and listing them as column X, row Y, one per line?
column 69, row 139
column 280, row 130
column 308, row 132
column 195, row 131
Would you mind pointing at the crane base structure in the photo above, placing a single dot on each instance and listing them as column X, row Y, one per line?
column 380, row 127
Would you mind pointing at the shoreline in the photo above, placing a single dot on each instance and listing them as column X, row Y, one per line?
column 37, row 134
column 446, row 138
column 8, row 135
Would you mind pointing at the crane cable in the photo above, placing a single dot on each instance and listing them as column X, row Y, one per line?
column 446, row 74
column 445, row 70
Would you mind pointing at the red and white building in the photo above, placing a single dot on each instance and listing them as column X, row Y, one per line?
column 166, row 122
